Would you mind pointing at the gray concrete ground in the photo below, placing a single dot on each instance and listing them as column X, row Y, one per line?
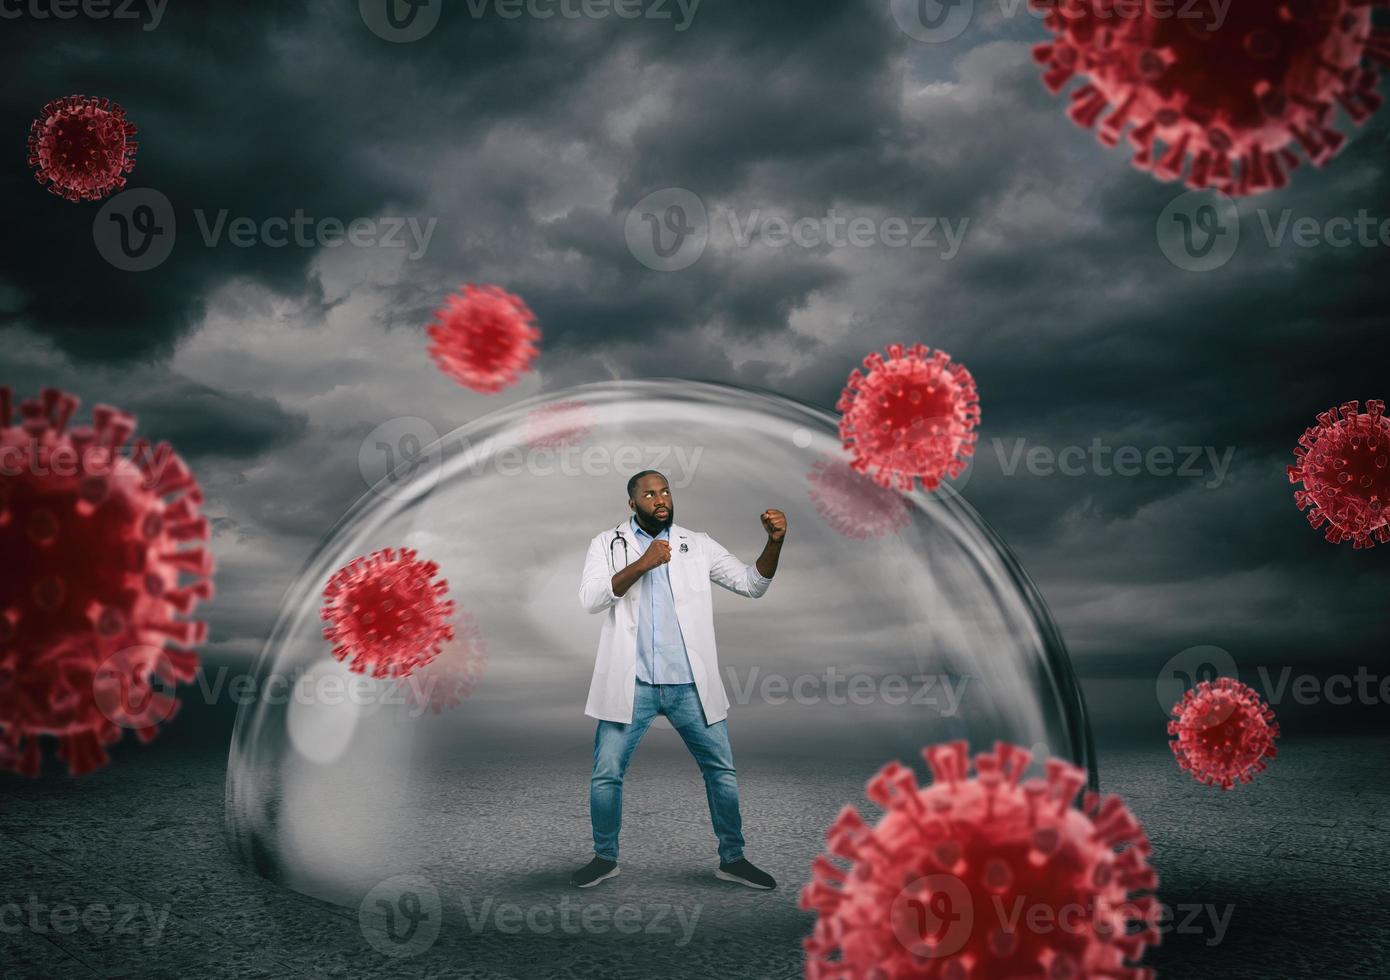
column 1282, row 878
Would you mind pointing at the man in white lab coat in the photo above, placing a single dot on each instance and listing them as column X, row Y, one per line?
column 656, row 656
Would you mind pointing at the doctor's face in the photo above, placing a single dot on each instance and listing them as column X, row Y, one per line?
column 651, row 500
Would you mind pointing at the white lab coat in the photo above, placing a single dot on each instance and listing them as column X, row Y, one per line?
column 703, row 561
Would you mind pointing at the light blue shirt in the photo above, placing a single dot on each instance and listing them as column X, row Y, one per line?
column 661, row 657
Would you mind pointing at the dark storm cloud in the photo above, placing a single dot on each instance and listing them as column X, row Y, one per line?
column 202, row 421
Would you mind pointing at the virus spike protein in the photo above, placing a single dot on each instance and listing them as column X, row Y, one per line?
column 1343, row 463
column 484, row 337
column 1224, row 732
column 82, row 148
column 981, row 844
column 387, row 613
column 101, row 556
column 911, row 417
column 1231, row 95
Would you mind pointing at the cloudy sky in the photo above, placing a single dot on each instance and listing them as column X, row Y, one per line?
column 519, row 146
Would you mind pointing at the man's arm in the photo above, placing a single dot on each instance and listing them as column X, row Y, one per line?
column 728, row 571
column 595, row 591
column 775, row 523
column 657, row 553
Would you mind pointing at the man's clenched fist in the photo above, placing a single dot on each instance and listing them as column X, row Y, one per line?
column 657, row 553
column 775, row 523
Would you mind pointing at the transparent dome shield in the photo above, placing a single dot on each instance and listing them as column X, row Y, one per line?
column 894, row 621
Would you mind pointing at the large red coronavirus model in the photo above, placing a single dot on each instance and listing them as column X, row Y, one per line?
column 1224, row 732
column 1343, row 463
column 99, row 556
column 1230, row 89
column 983, row 876
column 387, row 613
column 82, row 147
column 911, row 417
column 484, row 337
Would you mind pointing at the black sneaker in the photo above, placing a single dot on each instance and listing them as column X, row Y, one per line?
column 594, row 872
column 745, row 872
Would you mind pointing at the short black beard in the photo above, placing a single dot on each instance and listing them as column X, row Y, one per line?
column 647, row 523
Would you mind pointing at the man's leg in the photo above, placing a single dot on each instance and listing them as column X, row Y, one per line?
column 614, row 744
column 709, row 744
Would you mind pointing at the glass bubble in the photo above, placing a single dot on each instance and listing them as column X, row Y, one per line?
column 894, row 621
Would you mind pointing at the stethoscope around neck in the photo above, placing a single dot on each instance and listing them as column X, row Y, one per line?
column 618, row 538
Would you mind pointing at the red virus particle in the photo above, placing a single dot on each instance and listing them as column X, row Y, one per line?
column 912, row 417
column 484, row 337
column 387, row 613
column 853, row 504
column 558, row 425
column 452, row 676
column 1224, row 732
column 82, row 147
column 1231, row 91
column 945, row 884
column 1344, row 466
column 99, row 554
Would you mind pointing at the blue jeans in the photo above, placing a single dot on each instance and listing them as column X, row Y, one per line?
column 614, row 744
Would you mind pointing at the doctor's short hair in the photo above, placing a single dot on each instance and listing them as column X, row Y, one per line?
column 632, row 480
